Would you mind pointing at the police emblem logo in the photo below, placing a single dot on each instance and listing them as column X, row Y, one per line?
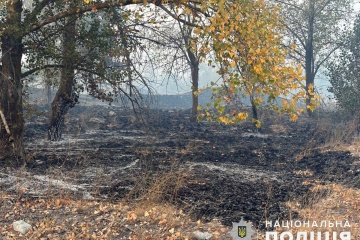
column 242, row 230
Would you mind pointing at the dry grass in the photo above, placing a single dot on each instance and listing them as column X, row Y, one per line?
column 279, row 128
column 343, row 136
column 158, row 186
column 193, row 145
column 339, row 133
column 157, row 180
column 308, row 149
column 331, row 203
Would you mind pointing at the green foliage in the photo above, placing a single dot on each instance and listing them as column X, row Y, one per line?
column 344, row 73
column 106, row 46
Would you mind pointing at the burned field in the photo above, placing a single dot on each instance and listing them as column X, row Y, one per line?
column 210, row 171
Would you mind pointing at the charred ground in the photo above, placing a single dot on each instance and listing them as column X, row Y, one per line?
column 222, row 172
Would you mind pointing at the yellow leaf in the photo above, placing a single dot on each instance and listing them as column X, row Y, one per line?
column 224, row 120
column 131, row 216
column 242, row 116
column 233, row 64
column 311, row 107
column 256, row 122
column 294, row 118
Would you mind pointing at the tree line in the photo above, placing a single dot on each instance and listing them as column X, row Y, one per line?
column 269, row 51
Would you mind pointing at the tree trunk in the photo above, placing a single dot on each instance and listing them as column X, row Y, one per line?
column 48, row 85
column 66, row 96
column 194, row 63
column 255, row 116
column 11, row 85
column 48, row 93
column 309, row 57
column 310, row 81
column 254, row 110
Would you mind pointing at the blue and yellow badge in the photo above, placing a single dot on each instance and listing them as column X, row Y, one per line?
column 242, row 230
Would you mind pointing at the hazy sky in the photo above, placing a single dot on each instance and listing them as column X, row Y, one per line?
column 206, row 76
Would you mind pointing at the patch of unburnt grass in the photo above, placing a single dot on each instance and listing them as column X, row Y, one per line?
column 331, row 203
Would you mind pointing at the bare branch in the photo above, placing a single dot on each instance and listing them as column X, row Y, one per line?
column 37, row 9
column 11, row 139
column 98, row 6
column 177, row 17
column 325, row 59
column 28, row 73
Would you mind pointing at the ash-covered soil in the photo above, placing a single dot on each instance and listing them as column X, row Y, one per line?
column 220, row 172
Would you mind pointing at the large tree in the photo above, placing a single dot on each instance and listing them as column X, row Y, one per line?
column 12, row 50
column 315, row 28
column 66, row 96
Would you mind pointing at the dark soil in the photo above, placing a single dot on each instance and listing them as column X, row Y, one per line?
column 233, row 171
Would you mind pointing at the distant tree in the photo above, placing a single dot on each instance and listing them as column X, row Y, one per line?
column 181, row 58
column 192, row 59
column 315, row 27
column 344, row 72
